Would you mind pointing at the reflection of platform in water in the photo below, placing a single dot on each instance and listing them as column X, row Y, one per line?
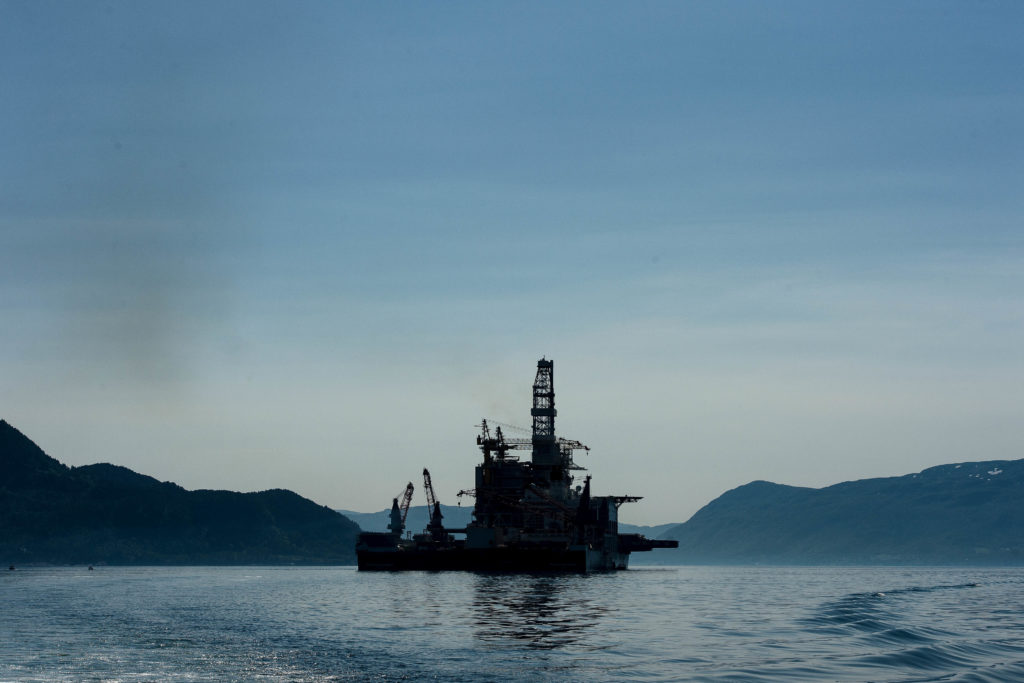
column 544, row 611
column 528, row 516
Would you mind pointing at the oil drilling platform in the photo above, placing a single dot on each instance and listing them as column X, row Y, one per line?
column 528, row 515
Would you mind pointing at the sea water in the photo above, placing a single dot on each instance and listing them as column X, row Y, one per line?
column 646, row 624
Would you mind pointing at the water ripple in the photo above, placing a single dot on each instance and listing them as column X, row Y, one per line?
column 678, row 624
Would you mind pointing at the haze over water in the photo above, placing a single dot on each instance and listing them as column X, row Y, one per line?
column 649, row 624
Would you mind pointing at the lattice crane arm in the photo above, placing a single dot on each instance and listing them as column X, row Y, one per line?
column 428, row 486
column 406, row 501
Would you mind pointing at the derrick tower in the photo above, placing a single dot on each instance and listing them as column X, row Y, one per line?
column 545, row 447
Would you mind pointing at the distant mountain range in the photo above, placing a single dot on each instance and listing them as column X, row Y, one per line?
column 456, row 517
column 51, row 513
column 968, row 513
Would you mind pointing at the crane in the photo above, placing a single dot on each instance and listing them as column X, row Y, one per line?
column 428, row 486
column 494, row 443
column 399, row 511
column 435, row 526
column 501, row 445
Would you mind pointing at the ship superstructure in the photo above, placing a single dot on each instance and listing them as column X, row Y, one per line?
column 529, row 515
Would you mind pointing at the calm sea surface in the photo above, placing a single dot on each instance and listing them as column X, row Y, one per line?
column 647, row 624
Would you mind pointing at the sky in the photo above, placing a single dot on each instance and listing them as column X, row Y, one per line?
column 253, row 245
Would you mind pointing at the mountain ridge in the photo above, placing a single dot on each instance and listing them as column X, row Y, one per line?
column 959, row 513
column 102, row 513
column 455, row 517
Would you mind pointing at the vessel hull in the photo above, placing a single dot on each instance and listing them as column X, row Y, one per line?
column 492, row 559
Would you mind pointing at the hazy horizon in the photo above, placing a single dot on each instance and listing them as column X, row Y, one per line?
column 255, row 245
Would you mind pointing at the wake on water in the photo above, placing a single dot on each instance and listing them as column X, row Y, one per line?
column 887, row 627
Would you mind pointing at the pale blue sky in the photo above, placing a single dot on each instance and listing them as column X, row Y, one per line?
column 309, row 245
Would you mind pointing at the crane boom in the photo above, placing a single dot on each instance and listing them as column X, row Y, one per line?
column 436, row 526
column 406, row 501
column 399, row 511
column 428, row 486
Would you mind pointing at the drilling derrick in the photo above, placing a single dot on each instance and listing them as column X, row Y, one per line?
column 545, row 449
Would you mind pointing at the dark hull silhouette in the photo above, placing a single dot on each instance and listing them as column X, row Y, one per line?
column 528, row 516
column 482, row 559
